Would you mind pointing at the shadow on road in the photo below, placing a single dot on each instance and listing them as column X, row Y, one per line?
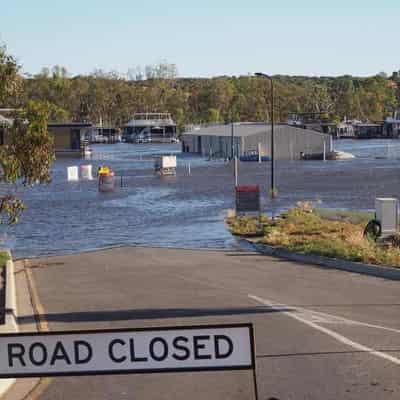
column 158, row 313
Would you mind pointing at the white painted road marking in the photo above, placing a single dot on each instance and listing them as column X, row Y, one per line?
column 306, row 317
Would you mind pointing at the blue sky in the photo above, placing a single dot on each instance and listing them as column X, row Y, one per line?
column 206, row 38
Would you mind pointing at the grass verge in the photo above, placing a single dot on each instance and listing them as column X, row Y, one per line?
column 3, row 259
column 326, row 233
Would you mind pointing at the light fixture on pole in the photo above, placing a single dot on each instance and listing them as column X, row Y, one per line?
column 272, row 185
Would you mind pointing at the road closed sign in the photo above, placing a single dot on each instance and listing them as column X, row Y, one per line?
column 197, row 348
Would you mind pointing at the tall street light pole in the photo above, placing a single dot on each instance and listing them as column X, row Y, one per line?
column 272, row 188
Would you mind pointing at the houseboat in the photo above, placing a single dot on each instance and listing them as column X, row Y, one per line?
column 150, row 127
column 391, row 127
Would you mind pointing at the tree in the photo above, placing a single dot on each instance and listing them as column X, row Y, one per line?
column 10, row 82
column 28, row 154
column 213, row 115
column 163, row 70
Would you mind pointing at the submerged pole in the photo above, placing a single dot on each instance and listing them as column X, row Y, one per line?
column 232, row 141
column 236, row 171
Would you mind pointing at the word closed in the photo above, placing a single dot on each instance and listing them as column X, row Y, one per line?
column 127, row 351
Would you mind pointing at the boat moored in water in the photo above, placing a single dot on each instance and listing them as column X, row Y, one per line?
column 330, row 155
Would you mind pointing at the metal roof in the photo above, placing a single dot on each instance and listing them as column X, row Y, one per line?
column 392, row 120
column 69, row 125
column 5, row 121
column 241, row 129
column 159, row 120
column 367, row 124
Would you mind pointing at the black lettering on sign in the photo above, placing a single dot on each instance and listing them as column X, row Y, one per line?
column 16, row 350
column 134, row 358
column 218, row 340
column 78, row 356
column 161, row 356
column 197, row 346
column 59, row 353
column 178, row 346
column 111, row 350
column 38, row 354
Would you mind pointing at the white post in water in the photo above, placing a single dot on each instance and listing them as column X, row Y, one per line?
column 259, row 152
column 324, row 151
column 236, row 171
column 189, row 168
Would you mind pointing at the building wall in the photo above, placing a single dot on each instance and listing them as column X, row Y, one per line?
column 62, row 137
column 289, row 143
column 4, row 136
column 216, row 146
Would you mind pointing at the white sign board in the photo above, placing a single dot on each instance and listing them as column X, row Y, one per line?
column 86, row 172
column 199, row 348
column 73, row 174
column 168, row 162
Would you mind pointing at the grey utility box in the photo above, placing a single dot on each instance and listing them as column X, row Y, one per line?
column 386, row 209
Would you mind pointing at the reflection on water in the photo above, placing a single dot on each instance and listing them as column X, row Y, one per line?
column 186, row 210
column 387, row 148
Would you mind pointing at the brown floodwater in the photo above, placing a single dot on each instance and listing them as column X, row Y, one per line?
column 187, row 210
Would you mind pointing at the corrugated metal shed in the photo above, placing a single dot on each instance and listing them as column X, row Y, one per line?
column 251, row 138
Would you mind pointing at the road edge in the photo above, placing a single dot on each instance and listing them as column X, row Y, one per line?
column 10, row 325
column 326, row 262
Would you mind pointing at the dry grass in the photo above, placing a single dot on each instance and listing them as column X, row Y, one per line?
column 247, row 226
column 3, row 258
column 303, row 230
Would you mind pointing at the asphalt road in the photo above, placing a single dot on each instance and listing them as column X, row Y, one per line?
column 320, row 334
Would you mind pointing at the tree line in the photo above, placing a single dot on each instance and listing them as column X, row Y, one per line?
column 113, row 98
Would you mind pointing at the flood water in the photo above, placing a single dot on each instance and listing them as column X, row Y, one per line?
column 187, row 211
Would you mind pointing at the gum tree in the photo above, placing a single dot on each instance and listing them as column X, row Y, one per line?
column 27, row 154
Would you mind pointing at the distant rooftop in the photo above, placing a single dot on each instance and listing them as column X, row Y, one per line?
column 69, row 124
column 367, row 124
column 391, row 120
column 241, row 129
column 309, row 113
column 5, row 121
column 151, row 119
column 152, row 116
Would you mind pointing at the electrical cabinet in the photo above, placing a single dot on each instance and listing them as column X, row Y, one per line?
column 386, row 209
